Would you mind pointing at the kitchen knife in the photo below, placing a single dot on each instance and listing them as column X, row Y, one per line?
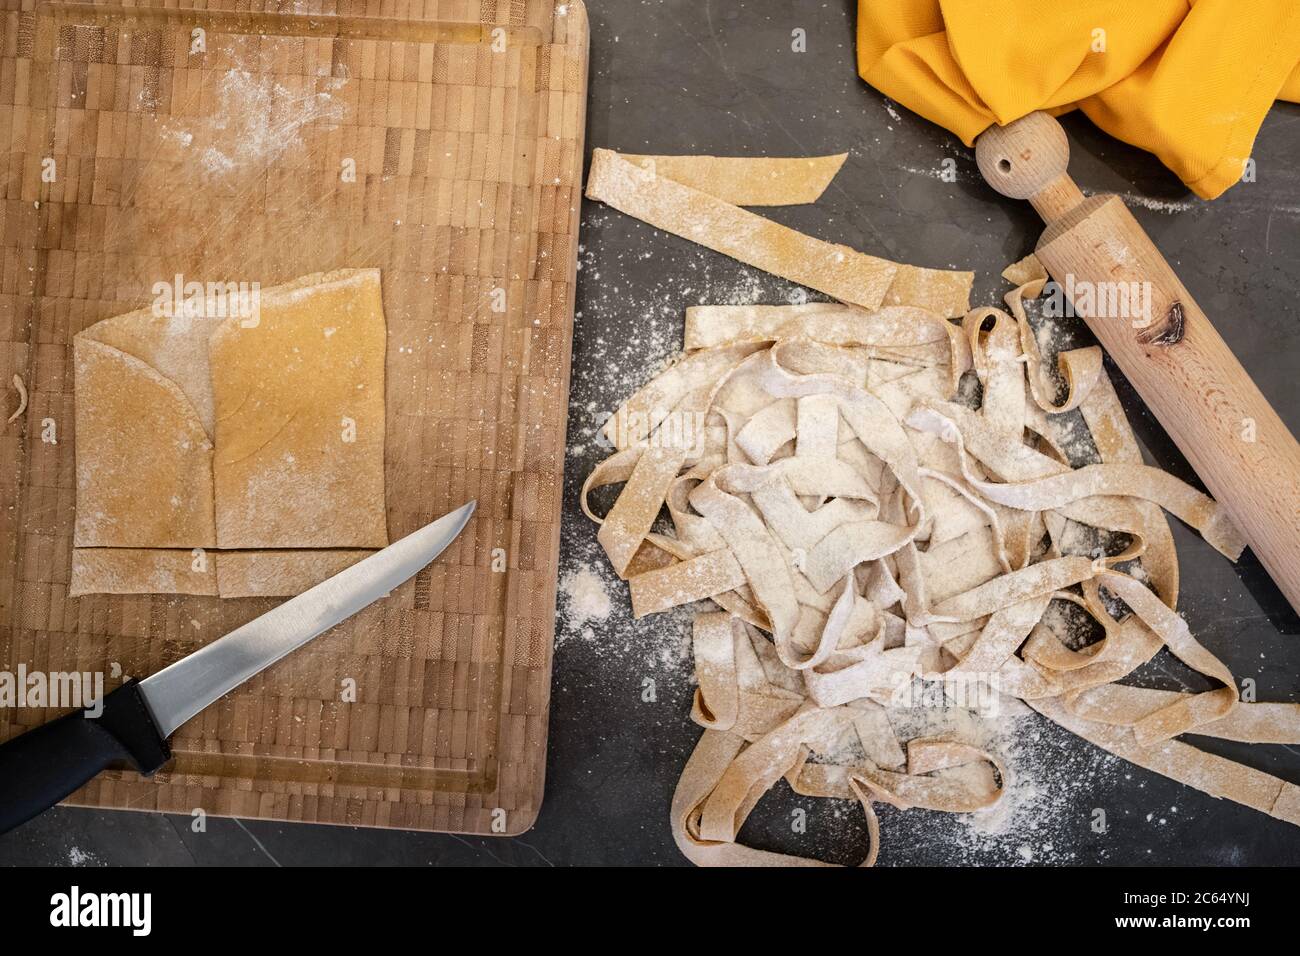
column 41, row 767
column 1175, row 359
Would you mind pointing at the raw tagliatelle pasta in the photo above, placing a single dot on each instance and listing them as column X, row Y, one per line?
column 855, row 524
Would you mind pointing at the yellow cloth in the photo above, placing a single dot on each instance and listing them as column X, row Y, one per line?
column 1188, row 81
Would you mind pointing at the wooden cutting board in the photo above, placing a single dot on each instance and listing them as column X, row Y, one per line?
column 440, row 142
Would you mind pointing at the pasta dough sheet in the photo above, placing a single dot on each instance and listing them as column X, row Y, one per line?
column 228, row 574
column 298, row 404
column 211, row 429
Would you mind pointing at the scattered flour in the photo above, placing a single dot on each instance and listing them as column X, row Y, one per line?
column 1167, row 206
column 256, row 120
column 259, row 119
column 1170, row 207
column 595, row 621
column 79, row 857
column 1044, row 813
column 215, row 161
column 586, row 598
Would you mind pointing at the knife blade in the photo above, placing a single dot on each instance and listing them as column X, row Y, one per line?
column 41, row 767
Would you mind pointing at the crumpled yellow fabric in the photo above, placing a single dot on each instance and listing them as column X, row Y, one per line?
column 1188, row 80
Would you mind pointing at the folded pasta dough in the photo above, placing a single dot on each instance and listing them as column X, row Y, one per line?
column 280, row 573
column 298, row 400
column 144, row 461
column 141, row 571
column 214, row 573
column 214, row 429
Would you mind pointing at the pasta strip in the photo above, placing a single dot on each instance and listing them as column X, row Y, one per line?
column 749, row 180
column 836, row 270
column 1209, row 773
column 629, row 521
column 717, row 696
column 1137, row 481
column 861, row 526
column 1247, row 723
column 709, row 326
column 685, row 582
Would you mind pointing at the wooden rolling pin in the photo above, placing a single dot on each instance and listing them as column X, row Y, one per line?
column 1177, row 362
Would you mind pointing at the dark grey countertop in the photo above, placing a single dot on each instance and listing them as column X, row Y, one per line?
column 720, row 77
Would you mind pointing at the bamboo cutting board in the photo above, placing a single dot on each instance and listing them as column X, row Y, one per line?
column 440, row 142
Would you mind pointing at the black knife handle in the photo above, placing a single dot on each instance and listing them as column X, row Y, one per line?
column 41, row 767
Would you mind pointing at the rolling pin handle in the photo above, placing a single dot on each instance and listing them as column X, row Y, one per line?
column 1178, row 363
column 1027, row 159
